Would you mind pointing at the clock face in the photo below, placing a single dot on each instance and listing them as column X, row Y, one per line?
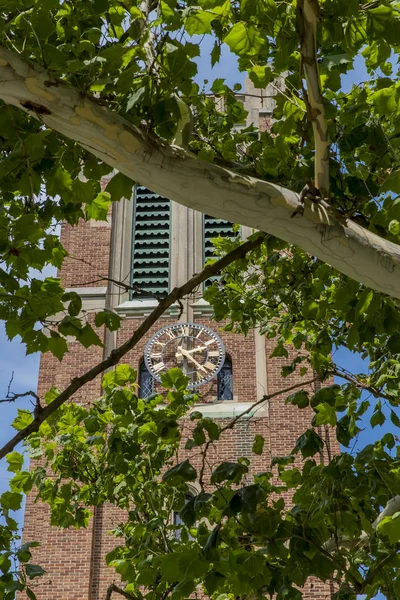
column 193, row 348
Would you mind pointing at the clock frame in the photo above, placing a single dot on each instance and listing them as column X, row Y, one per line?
column 194, row 348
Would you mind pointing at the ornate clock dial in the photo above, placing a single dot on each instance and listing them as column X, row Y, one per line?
column 194, row 348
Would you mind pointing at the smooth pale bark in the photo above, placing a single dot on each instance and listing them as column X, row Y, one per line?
column 308, row 12
column 212, row 189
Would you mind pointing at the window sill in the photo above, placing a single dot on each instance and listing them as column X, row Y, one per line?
column 231, row 408
column 143, row 308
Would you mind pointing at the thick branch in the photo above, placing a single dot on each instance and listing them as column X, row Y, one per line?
column 308, row 14
column 203, row 186
column 117, row 354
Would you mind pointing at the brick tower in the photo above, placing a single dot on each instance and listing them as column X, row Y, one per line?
column 157, row 245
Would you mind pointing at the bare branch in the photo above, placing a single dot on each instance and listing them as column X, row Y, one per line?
column 12, row 397
column 233, row 421
column 116, row 355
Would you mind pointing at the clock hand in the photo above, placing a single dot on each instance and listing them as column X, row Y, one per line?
column 198, row 365
column 191, row 351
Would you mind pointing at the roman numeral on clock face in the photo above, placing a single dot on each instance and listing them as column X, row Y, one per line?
column 209, row 365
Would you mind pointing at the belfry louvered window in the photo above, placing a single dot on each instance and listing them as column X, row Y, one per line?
column 151, row 244
column 212, row 228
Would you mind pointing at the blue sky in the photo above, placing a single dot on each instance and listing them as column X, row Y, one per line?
column 25, row 368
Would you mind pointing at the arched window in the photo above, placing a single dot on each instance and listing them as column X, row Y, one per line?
column 146, row 381
column 225, row 381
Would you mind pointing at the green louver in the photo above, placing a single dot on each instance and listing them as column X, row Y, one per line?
column 213, row 228
column 151, row 243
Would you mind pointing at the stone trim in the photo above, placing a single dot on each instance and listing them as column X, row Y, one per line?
column 142, row 308
column 229, row 410
column 93, row 298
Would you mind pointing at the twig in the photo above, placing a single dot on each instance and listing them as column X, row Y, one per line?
column 115, row 356
column 11, row 397
column 233, row 422
column 114, row 588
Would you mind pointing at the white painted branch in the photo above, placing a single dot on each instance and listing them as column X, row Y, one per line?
column 308, row 14
column 209, row 188
column 392, row 507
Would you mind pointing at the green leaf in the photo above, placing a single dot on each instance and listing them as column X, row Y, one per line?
column 57, row 345
column 88, row 337
column 378, row 418
column 258, row 444
column 24, row 419
column 11, row 500
column 33, row 571
column 390, row 527
column 174, row 378
column 99, row 207
column 170, row 567
column 187, row 513
column 244, row 39
column 30, row 593
column 120, row 186
column 5, row 563
column 199, row 22
column 326, row 414
column 183, row 471
column 385, row 100
column 15, row 461
column 391, row 183
column 192, row 565
column 210, row 548
column 135, row 98
column 299, row 399
column 309, row 444
column 261, row 76
column 75, row 303
column 111, row 320
column 336, row 60
column 215, row 53
column 394, row 418
column 124, row 374
column 229, row 471
column 183, row 590
column 83, row 191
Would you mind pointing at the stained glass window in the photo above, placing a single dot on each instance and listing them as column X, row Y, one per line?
column 225, row 381
column 146, row 381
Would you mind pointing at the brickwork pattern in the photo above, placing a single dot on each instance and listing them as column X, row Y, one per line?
column 75, row 560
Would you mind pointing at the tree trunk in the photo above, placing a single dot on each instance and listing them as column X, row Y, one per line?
column 212, row 189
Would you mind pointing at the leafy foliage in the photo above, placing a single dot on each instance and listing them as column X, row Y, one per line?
column 237, row 537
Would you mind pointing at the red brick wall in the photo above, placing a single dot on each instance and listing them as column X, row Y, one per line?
column 74, row 559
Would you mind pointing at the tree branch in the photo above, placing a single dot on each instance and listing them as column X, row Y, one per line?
column 308, row 14
column 114, row 588
column 233, row 421
column 116, row 355
column 198, row 184
column 392, row 507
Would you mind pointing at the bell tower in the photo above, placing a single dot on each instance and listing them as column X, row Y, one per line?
column 152, row 245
